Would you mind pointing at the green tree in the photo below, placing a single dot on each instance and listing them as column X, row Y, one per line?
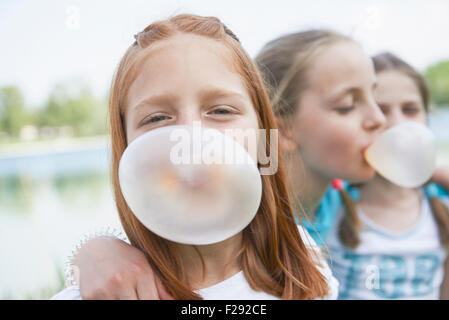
column 12, row 111
column 73, row 104
column 437, row 77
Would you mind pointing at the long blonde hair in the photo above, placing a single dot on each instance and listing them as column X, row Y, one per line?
column 284, row 64
column 274, row 258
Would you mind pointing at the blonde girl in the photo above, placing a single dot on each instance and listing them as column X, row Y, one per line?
column 322, row 88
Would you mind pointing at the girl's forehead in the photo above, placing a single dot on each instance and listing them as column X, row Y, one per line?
column 340, row 59
column 394, row 84
column 340, row 64
column 182, row 44
column 163, row 55
column 181, row 51
column 185, row 62
column 390, row 77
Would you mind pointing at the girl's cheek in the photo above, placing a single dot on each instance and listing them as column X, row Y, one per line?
column 423, row 118
column 338, row 146
column 322, row 145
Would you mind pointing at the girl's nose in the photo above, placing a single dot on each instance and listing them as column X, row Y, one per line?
column 189, row 118
column 394, row 117
column 375, row 119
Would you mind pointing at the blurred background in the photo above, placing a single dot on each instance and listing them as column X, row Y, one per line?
column 57, row 59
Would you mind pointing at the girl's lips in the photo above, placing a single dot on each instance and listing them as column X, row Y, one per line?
column 364, row 152
column 364, row 149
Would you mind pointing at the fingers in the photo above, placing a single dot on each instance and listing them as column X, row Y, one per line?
column 163, row 293
column 123, row 286
column 119, row 286
column 109, row 269
column 112, row 269
column 95, row 291
column 149, row 287
column 146, row 287
column 127, row 294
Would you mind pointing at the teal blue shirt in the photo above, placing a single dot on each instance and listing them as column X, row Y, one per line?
column 332, row 202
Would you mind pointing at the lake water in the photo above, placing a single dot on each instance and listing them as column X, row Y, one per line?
column 48, row 200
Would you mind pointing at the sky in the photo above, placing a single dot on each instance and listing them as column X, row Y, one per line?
column 43, row 43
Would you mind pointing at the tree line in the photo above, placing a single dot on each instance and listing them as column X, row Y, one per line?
column 73, row 110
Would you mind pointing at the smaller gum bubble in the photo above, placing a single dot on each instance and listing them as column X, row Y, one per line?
column 404, row 154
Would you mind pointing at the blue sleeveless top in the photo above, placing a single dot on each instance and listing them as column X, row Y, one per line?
column 332, row 202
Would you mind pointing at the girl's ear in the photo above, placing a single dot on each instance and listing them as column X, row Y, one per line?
column 286, row 141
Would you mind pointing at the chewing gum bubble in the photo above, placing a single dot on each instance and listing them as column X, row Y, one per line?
column 179, row 184
column 404, row 154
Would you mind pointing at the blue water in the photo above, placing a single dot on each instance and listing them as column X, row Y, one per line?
column 57, row 163
column 439, row 124
column 48, row 200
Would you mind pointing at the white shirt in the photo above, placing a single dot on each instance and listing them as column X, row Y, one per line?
column 409, row 265
column 237, row 287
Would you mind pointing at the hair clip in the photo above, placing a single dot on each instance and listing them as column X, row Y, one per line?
column 337, row 184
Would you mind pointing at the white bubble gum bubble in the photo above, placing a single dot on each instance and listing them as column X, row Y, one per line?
column 190, row 203
column 404, row 154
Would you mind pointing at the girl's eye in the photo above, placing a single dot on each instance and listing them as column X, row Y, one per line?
column 155, row 118
column 222, row 111
column 410, row 110
column 345, row 110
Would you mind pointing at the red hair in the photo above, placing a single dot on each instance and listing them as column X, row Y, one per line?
column 273, row 257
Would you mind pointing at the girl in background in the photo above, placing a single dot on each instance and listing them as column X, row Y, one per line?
column 322, row 88
column 194, row 68
column 321, row 84
column 311, row 82
column 397, row 244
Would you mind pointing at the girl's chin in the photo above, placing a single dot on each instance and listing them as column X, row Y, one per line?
column 367, row 174
column 362, row 175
